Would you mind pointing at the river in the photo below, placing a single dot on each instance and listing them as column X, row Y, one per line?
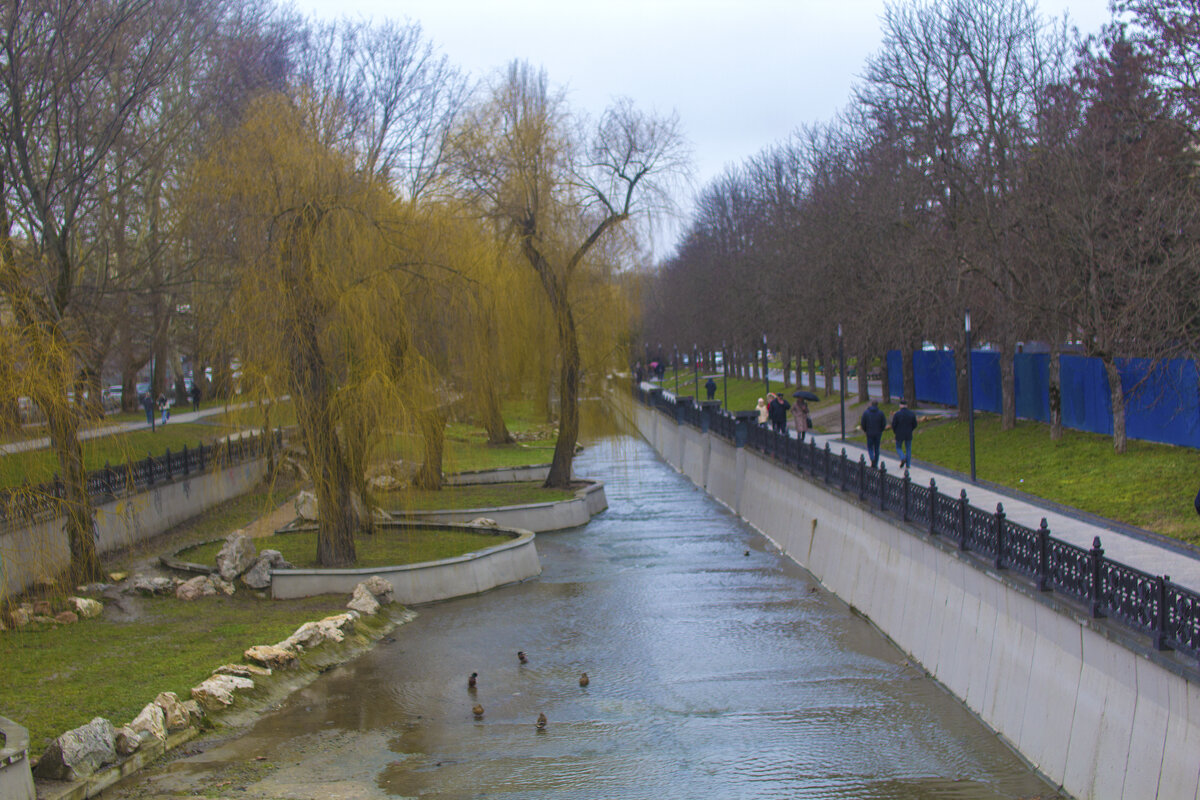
column 718, row 669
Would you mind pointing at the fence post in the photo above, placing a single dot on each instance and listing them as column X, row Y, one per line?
column 1095, row 556
column 170, row 471
column 905, row 484
column 999, row 561
column 149, row 470
column 185, row 461
column 1043, row 544
column 844, row 468
column 1160, row 624
column 828, row 461
column 200, row 457
column 58, row 487
column 108, row 481
column 962, row 519
column 883, row 476
column 862, row 477
column 933, row 501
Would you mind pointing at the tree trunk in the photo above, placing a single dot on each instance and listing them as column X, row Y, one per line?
column 827, row 361
column 1008, row 383
column 812, row 371
column 962, row 386
column 62, row 421
column 787, row 368
column 1117, row 394
column 433, row 432
column 1054, row 389
column 864, row 382
column 568, row 392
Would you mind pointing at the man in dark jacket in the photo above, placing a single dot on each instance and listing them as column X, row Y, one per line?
column 873, row 424
column 710, row 387
column 777, row 410
column 904, row 422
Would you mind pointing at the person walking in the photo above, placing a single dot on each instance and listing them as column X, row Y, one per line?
column 761, row 408
column 904, row 422
column 777, row 410
column 803, row 420
column 148, row 404
column 164, row 406
column 195, row 395
column 873, row 424
column 710, row 388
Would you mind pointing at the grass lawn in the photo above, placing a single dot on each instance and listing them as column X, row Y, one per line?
column 484, row 496
column 743, row 394
column 58, row 678
column 1151, row 486
column 37, row 466
column 389, row 547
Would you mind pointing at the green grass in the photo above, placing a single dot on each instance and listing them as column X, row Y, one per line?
column 388, row 548
column 58, row 678
column 484, row 496
column 37, row 466
column 743, row 394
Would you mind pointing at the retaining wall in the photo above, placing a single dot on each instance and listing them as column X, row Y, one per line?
column 16, row 779
column 512, row 560
column 41, row 551
column 537, row 517
column 1091, row 707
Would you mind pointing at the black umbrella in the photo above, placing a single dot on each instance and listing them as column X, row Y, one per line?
column 803, row 395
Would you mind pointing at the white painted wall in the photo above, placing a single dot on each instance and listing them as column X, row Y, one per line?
column 1090, row 706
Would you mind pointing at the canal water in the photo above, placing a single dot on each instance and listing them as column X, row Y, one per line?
column 718, row 669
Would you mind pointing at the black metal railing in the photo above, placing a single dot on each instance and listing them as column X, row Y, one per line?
column 1150, row 604
column 37, row 503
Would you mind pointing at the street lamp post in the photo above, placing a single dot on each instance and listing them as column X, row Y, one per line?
column 842, row 378
column 970, row 394
column 676, row 362
column 725, row 373
column 766, row 378
column 695, row 374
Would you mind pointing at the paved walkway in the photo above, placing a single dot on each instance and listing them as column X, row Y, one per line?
column 122, row 427
column 1143, row 550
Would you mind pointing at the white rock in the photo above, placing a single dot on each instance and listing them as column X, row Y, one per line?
column 306, row 506
column 86, row 607
column 312, row 634
column 217, row 692
column 195, row 588
column 363, row 601
column 484, row 522
column 126, row 741
column 175, row 714
column 242, row 670
column 237, row 555
column 381, row 588
column 152, row 721
column 270, row 655
column 79, row 753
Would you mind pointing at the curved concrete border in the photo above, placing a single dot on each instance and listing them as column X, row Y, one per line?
column 16, row 779
column 537, row 517
column 535, row 472
column 514, row 559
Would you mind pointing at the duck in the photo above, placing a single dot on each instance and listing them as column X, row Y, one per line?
column 477, row 710
column 471, row 681
column 521, row 657
column 541, row 722
column 583, row 680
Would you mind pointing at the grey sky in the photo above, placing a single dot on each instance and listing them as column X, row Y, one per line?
column 741, row 75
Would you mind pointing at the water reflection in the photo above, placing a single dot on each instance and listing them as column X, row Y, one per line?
column 713, row 674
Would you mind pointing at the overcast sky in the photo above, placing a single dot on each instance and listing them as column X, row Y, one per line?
column 742, row 74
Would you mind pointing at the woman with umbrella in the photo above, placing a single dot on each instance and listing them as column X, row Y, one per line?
column 803, row 420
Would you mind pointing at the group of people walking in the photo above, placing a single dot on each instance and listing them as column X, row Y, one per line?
column 874, row 423
column 773, row 411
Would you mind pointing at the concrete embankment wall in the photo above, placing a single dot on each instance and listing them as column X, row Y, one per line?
column 537, row 517
column 1092, row 708
column 41, row 551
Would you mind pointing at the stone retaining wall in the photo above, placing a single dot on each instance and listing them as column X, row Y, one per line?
column 16, row 781
column 537, row 517
column 1091, row 707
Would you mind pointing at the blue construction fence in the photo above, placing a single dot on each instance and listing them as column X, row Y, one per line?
column 1162, row 403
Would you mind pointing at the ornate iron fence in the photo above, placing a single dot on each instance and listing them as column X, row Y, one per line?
column 37, row 503
column 1149, row 604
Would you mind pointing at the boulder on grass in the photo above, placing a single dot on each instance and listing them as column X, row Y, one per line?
column 270, row 655
column 216, row 692
column 484, row 522
column 143, row 584
column 381, row 589
column 237, row 555
column 126, row 741
column 363, row 601
column 243, row 670
column 86, row 607
column 195, row 588
column 174, row 714
column 152, row 721
column 306, row 506
column 313, row 634
column 66, row 617
column 79, row 753
column 259, row 575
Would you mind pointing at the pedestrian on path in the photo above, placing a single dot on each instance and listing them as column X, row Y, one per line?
column 761, row 408
column 195, row 395
column 904, row 422
column 710, row 388
column 803, row 420
column 873, row 424
column 777, row 410
column 164, row 406
column 148, row 403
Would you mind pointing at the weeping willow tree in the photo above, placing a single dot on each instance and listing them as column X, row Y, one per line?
column 319, row 310
column 558, row 193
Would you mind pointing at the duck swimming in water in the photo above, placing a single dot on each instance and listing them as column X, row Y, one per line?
column 583, row 680
column 521, row 657
column 541, row 722
column 471, row 681
column 477, row 710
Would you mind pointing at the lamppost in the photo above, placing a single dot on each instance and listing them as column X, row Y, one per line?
column 842, row 378
column 695, row 374
column 676, row 362
column 725, row 373
column 970, row 394
column 766, row 378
